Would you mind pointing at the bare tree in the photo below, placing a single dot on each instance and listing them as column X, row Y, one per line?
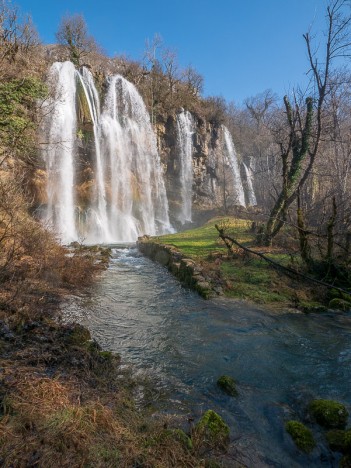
column 305, row 122
column 193, row 80
column 73, row 34
column 17, row 33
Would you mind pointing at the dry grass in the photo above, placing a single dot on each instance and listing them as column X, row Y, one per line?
column 47, row 422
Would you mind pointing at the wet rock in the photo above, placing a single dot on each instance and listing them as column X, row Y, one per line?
column 329, row 414
column 162, row 257
column 227, row 385
column 301, row 435
column 213, row 430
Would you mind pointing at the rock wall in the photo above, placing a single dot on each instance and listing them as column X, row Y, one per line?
column 185, row 269
column 210, row 168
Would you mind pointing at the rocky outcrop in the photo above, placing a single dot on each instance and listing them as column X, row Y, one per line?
column 185, row 269
column 208, row 165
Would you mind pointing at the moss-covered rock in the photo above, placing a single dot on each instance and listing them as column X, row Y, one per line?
column 301, row 435
column 213, row 430
column 339, row 440
column 329, row 414
column 228, row 385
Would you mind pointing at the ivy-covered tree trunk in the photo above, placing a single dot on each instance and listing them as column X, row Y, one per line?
column 293, row 157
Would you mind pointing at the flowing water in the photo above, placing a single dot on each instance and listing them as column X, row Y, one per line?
column 251, row 193
column 128, row 197
column 280, row 361
column 185, row 131
column 233, row 163
column 59, row 152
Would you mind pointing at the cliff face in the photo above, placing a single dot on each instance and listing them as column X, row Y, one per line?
column 212, row 182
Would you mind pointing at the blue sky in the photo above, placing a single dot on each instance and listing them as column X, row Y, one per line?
column 241, row 47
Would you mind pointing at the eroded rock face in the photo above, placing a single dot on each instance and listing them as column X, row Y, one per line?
column 208, row 165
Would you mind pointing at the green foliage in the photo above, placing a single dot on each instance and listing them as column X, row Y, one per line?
column 18, row 99
column 214, row 431
column 301, row 435
column 329, row 414
column 228, row 385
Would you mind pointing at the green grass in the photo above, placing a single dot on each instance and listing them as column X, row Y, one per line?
column 245, row 278
column 200, row 242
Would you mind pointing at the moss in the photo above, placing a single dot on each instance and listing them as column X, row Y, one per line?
column 301, row 435
column 213, row 430
column 181, row 437
column 78, row 336
column 329, row 414
column 339, row 440
column 339, row 304
column 170, row 434
column 107, row 355
column 228, row 385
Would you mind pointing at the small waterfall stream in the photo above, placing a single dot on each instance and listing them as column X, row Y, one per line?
column 250, row 190
column 59, row 152
column 128, row 197
column 233, row 163
column 185, row 131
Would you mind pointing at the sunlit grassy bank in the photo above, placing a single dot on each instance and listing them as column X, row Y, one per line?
column 245, row 276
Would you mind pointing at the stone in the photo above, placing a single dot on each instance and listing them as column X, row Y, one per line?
column 162, row 257
column 339, row 440
column 329, row 414
column 301, row 435
column 227, row 385
column 213, row 430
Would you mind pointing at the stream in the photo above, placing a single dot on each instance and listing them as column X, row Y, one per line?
column 280, row 360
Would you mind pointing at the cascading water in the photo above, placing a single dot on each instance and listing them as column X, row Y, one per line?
column 60, row 129
column 96, row 219
column 233, row 163
column 138, row 200
column 128, row 197
column 185, row 131
column 250, row 190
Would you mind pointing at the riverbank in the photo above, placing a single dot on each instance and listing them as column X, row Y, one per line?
column 200, row 260
column 63, row 400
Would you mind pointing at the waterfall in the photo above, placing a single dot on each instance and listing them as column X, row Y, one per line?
column 128, row 197
column 138, row 201
column 251, row 193
column 233, row 163
column 185, row 131
column 60, row 134
column 97, row 218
